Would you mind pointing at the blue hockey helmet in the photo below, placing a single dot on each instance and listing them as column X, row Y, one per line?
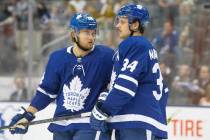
column 134, row 12
column 81, row 21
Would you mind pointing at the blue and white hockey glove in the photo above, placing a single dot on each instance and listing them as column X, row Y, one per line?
column 98, row 118
column 17, row 126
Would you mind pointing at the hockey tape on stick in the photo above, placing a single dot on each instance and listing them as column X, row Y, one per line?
column 82, row 115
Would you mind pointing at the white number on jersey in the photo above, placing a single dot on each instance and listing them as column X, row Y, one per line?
column 131, row 66
column 156, row 69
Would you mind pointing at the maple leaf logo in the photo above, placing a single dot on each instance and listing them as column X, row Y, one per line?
column 74, row 95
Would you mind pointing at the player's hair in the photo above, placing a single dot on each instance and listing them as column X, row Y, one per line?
column 72, row 37
column 141, row 28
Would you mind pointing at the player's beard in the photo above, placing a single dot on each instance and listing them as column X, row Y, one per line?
column 82, row 47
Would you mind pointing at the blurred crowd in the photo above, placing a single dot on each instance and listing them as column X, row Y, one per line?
column 179, row 29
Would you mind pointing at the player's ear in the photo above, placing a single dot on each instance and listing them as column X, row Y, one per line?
column 135, row 26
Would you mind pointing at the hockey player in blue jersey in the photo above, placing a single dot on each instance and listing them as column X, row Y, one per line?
column 74, row 78
column 136, row 102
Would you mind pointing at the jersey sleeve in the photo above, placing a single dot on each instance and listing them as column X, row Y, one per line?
column 49, row 85
column 133, row 66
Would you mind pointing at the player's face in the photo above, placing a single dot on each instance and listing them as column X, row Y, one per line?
column 122, row 26
column 87, row 38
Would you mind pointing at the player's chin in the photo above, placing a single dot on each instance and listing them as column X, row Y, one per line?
column 89, row 46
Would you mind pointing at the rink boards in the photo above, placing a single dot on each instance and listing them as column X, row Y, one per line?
column 187, row 123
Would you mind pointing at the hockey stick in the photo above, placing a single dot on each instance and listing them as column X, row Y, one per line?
column 169, row 119
column 82, row 115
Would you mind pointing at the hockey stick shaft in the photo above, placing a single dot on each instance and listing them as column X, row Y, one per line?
column 173, row 115
column 82, row 115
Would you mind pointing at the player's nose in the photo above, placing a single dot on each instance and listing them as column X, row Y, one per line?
column 91, row 38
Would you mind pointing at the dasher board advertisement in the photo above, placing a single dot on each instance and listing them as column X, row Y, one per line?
column 187, row 123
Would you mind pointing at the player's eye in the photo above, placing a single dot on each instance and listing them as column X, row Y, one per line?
column 88, row 33
column 120, row 20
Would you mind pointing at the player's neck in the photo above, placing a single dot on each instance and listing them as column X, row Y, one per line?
column 79, row 52
column 137, row 34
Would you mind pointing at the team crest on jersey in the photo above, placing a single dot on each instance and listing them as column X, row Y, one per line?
column 113, row 77
column 74, row 95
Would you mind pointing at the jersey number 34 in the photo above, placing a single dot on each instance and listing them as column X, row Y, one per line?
column 127, row 65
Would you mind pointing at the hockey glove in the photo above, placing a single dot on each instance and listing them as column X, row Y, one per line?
column 19, row 125
column 98, row 119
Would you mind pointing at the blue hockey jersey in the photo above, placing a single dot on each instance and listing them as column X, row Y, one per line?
column 137, row 97
column 75, row 84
